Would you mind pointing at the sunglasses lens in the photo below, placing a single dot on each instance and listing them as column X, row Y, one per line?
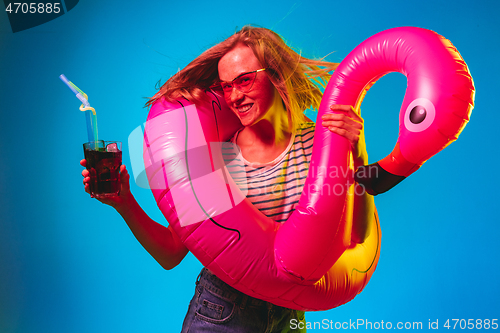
column 244, row 83
column 217, row 89
column 226, row 86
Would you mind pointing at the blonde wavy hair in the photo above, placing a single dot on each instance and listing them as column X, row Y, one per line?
column 296, row 78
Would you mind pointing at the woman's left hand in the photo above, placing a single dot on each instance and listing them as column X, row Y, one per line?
column 349, row 124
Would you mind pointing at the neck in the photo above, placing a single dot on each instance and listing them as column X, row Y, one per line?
column 273, row 130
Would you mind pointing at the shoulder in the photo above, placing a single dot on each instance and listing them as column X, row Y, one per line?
column 305, row 131
column 306, row 126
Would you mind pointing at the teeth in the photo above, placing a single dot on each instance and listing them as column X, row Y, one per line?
column 244, row 108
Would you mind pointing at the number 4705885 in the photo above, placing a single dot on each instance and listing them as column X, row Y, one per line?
column 471, row 324
column 33, row 8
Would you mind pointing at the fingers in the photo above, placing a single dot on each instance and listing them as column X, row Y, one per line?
column 340, row 107
column 342, row 122
column 347, row 109
column 348, row 115
column 123, row 169
column 86, row 176
column 345, row 122
column 350, row 135
column 86, row 182
column 124, row 180
column 124, row 177
column 87, row 185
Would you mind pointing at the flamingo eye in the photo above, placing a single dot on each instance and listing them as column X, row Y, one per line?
column 419, row 115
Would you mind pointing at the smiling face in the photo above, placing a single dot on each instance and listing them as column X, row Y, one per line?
column 250, row 106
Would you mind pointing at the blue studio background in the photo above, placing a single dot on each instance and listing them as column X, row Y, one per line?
column 70, row 264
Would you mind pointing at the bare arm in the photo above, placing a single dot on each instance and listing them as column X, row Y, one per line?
column 161, row 242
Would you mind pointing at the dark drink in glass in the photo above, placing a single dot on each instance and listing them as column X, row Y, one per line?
column 104, row 159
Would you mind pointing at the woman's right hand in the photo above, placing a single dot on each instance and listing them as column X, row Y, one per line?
column 118, row 201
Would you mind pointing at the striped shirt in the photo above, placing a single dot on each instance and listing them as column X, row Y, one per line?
column 274, row 188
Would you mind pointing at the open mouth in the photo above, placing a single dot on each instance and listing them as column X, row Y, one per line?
column 244, row 108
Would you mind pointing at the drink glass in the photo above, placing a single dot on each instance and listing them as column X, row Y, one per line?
column 104, row 159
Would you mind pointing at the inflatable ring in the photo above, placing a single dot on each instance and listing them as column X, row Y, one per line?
column 307, row 263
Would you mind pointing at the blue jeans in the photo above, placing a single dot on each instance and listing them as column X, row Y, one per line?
column 218, row 307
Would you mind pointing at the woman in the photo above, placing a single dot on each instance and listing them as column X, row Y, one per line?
column 268, row 86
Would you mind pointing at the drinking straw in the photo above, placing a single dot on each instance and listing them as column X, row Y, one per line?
column 90, row 114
